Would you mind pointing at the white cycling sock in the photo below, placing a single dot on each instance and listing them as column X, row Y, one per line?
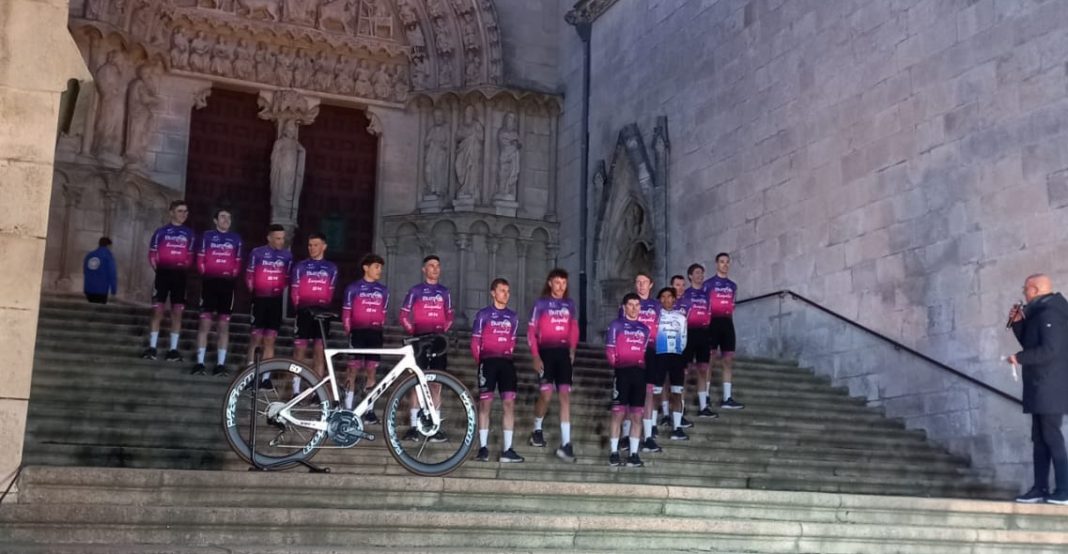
column 174, row 341
column 483, row 437
column 349, row 398
column 634, row 446
column 220, row 356
column 664, row 407
column 565, row 433
column 153, row 338
column 615, row 444
column 726, row 391
column 296, row 387
column 656, row 417
column 703, row 398
column 676, row 419
column 647, row 426
column 537, row 423
column 507, row 440
column 200, row 355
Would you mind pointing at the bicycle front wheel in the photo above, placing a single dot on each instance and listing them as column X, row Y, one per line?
column 420, row 448
column 278, row 444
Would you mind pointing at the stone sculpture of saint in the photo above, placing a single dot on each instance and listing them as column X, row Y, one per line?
column 324, row 74
column 221, row 60
column 468, row 154
column 200, row 55
column 264, row 59
column 363, row 86
column 287, row 175
column 110, row 88
column 141, row 122
column 382, row 82
column 508, row 158
column 244, row 67
column 179, row 49
column 436, row 156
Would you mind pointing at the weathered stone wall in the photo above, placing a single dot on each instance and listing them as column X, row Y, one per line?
column 31, row 80
column 902, row 162
column 530, row 37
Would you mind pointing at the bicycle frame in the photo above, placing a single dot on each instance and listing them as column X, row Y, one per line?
column 406, row 363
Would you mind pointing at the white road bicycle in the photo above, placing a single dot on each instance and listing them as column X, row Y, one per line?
column 270, row 427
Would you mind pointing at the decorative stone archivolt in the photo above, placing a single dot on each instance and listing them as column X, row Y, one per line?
column 308, row 44
column 488, row 149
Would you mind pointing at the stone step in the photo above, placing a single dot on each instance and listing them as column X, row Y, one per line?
column 213, row 508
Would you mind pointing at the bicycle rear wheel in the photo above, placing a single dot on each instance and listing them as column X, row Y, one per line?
column 424, row 455
column 279, row 444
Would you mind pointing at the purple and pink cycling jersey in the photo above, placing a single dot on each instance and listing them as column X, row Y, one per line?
column 553, row 324
column 696, row 303
column 648, row 315
column 312, row 283
column 365, row 305
column 171, row 247
column 721, row 293
column 219, row 255
column 267, row 274
column 493, row 333
column 625, row 343
column 427, row 309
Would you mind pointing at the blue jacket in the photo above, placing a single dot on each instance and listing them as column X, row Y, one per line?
column 99, row 270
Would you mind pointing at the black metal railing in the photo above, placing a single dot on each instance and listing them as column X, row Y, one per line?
column 897, row 345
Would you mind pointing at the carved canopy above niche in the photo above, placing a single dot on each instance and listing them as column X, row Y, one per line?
column 377, row 50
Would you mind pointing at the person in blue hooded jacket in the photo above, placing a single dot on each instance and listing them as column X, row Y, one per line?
column 98, row 267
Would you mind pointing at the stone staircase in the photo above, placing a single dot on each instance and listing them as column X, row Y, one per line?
column 790, row 473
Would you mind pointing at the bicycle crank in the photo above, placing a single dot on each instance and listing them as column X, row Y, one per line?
column 345, row 429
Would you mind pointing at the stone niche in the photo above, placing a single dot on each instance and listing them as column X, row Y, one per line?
column 474, row 248
column 487, row 150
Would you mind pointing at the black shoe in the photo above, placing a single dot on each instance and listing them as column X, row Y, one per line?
column 412, row 435
column 730, row 404
column 624, row 444
column 1034, row 496
column 686, row 424
column 1059, row 498
column 220, row 371
column 654, row 432
column 198, row 369
column 679, row 435
column 370, row 418
column 707, row 413
column 149, row 354
column 665, row 421
column 173, row 356
column 483, row 455
column 634, row 460
column 614, row 460
column 510, row 457
column 565, row 453
column 440, row 436
column 537, row 438
column 650, row 445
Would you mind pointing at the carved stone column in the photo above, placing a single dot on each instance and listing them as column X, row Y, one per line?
column 522, row 248
column 493, row 244
column 551, row 251
column 391, row 259
column 463, row 244
column 113, row 200
column 72, row 199
column 289, row 110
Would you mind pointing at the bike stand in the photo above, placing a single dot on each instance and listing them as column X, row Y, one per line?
column 256, row 466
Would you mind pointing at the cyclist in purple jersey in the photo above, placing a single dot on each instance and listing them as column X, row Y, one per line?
column 649, row 315
column 492, row 345
column 553, row 337
column 625, row 346
column 363, row 314
column 267, row 277
column 695, row 300
column 427, row 308
column 311, row 286
column 721, row 337
column 678, row 282
column 170, row 253
column 219, row 263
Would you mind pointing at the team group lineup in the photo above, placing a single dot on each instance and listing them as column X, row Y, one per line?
column 651, row 346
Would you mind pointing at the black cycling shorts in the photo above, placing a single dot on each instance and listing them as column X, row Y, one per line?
column 557, row 365
column 697, row 349
column 169, row 285
column 721, row 335
column 654, row 374
column 306, row 327
column 496, row 374
column 366, row 338
column 628, row 387
column 267, row 313
column 217, row 296
column 673, row 366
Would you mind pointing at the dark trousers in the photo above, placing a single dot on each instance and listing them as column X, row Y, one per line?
column 97, row 298
column 1049, row 447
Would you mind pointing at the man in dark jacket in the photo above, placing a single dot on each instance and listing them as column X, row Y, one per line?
column 98, row 270
column 1041, row 326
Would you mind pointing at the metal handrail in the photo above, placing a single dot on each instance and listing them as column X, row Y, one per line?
column 897, row 345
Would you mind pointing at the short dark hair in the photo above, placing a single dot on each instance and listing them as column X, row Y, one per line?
column 275, row 227
column 499, row 281
column 560, row 272
column 721, row 255
column 177, row 203
column 317, row 235
column 668, row 290
column 104, row 241
column 630, row 296
column 694, row 267
column 431, row 258
column 370, row 259
column 219, row 211
column 644, row 274
column 673, row 277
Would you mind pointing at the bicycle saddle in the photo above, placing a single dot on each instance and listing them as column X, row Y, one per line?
column 323, row 314
column 428, row 346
